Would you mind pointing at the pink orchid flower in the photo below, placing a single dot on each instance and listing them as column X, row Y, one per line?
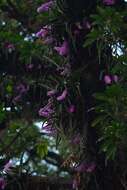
column 46, row 111
column 109, row 2
column 51, row 93
column 63, row 49
column 7, row 167
column 107, row 79
column 63, row 95
column 43, row 32
column 45, row 7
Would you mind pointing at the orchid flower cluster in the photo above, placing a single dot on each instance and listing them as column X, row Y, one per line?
column 63, row 50
column 7, row 169
column 44, row 33
column 109, row 79
column 109, row 2
column 21, row 90
column 48, row 111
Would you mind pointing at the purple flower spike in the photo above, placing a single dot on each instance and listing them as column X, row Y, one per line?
column 43, row 32
column 29, row 66
column 63, row 49
column 46, row 111
column 66, row 70
column 7, row 167
column 51, row 93
column 16, row 99
column 49, row 129
column 115, row 78
column 109, row 2
column 63, row 95
column 76, row 32
column 45, row 7
column 75, row 184
column 48, row 40
column 43, row 113
column 11, row 46
column 71, row 109
column 84, row 167
column 81, row 168
column 2, row 183
column 21, row 88
column 107, row 79
column 91, row 167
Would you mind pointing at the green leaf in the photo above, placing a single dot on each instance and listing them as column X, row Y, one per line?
column 42, row 149
column 92, row 37
column 99, row 120
column 9, row 88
